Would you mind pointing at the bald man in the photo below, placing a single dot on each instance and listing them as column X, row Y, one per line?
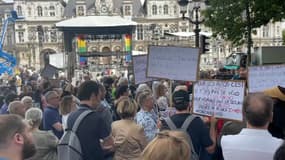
column 253, row 142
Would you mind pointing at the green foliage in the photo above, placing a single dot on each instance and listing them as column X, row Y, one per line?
column 228, row 18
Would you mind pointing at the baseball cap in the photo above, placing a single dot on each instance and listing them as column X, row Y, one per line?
column 180, row 97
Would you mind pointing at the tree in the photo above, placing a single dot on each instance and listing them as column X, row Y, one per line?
column 235, row 20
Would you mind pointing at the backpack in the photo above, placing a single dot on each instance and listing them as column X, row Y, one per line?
column 69, row 147
column 185, row 125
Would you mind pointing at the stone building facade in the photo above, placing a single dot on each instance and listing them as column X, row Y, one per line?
column 35, row 37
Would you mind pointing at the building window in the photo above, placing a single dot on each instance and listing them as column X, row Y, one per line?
column 154, row 10
column 19, row 10
column 51, row 11
column 127, row 10
column 53, row 36
column 46, row 35
column 140, row 32
column 175, row 9
column 29, row 11
column 278, row 31
column 9, row 39
column 21, row 37
column 265, row 31
column 165, row 9
column 40, row 11
column 80, row 11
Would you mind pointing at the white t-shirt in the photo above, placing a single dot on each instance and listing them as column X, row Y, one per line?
column 64, row 121
column 250, row 144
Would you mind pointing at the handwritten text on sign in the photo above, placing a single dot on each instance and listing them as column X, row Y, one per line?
column 261, row 78
column 139, row 65
column 173, row 63
column 222, row 99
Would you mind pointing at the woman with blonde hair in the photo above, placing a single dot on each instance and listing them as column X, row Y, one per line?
column 129, row 138
column 66, row 106
column 168, row 145
column 46, row 141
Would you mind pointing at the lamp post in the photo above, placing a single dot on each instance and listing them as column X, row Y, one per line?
column 183, row 9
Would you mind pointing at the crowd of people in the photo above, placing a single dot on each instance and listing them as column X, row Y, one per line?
column 149, row 121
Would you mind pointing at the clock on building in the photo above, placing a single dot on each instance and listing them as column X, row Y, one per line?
column 104, row 9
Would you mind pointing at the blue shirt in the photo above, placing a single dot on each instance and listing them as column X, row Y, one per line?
column 148, row 121
column 4, row 109
column 51, row 116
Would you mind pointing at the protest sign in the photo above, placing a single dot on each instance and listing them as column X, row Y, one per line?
column 261, row 78
column 139, row 68
column 174, row 63
column 221, row 99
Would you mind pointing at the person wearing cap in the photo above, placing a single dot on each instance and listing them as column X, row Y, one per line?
column 203, row 143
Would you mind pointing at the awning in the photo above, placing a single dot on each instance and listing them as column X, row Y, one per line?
column 96, row 21
column 231, row 67
column 188, row 34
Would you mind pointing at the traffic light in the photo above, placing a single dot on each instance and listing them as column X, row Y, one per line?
column 204, row 44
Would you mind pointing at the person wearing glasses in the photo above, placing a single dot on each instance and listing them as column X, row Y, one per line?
column 146, row 117
column 52, row 119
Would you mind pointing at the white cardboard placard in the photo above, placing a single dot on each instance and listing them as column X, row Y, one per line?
column 261, row 78
column 139, row 68
column 174, row 63
column 221, row 99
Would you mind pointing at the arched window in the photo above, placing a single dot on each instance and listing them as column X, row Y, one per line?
column 19, row 10
column 165, row 9
column 154, row 10
column 40, row 11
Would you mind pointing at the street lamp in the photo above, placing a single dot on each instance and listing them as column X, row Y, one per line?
column 183, row 10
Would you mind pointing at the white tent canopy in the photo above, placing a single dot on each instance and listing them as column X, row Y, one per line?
column 189, row 34
column 96, row 21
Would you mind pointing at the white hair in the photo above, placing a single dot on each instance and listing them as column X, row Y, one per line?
column 26, row 98
column 34, row 116
column 143, row 87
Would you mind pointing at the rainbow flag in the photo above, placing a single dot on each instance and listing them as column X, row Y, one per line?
column 81, row 45
column 128, row 47
column 128, row 43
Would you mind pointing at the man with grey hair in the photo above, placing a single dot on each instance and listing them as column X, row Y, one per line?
column 253, row 142
column 27, row 101
column 52, row 119
column 18, row 108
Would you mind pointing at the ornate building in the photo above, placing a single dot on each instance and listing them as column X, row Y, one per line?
column 36, row 36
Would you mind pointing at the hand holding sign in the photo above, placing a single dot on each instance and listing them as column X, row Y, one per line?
column 222, row 99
